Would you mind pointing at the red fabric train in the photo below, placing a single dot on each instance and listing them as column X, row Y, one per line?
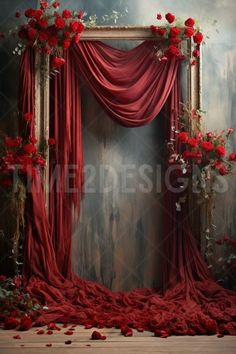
column 133, row 87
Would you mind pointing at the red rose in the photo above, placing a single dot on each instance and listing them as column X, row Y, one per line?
column 189, row 22
column 183, row 137
column 29, row 13
column 174, row 31
column 2, row 278
column 51, row 141
column 209, row 135
column 198, row 38
column 53, row 41
column 159, row 16
column 220, row 150
column 67, row 34
column 191, row 155
column 207, row 146
column 170, row 17
column 230, row 131
column 69, row 333
column 175, row 41
column 193, row 142
column 189, row 32
column 66, row 43
column 11, row 323
column 22, row 33
column 80, row 27
column 97, row 336
column 126, row 331
column 38, row 14
column 173, row 51
column 153, row 29
column 56, row 4
column 53, row 326
column 32, row 33
column 161, row 31
column 186, row 154
column 17, row 280
column 43, row 5
column 232, row 156
column 57, row 62
column 161, row 333
column 74, row 25
column 59, row 22
column 25, row 323
column 210, row 325
column 10, row 142
column 221, row 169
column 43, row 23
column 39, row 160
column 23, row 162
column 43, row 36
column 28, row 117
column 76, row 38
column 194, row 62
column 196, row 53
column 29, row 149
column 80, row 14
column 18, row 14
column 66, row 14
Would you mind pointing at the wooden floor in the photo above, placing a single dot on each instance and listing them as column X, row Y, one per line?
column 144, row 343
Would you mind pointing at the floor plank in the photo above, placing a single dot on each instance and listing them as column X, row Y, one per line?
column 145, row 343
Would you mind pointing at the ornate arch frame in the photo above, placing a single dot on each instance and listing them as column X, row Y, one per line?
column 191, row 84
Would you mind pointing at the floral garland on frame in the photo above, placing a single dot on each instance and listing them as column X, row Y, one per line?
column 52, row 31
column 175, row 32
column 20, row 157
column 205, row 158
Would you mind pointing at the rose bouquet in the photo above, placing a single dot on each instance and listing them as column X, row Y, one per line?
column 175, row 33
column 206, row 150
column 205, row 159
column 51, row 31
column 18, row 308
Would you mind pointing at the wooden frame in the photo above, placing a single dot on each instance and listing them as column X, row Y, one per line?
column 93, row 34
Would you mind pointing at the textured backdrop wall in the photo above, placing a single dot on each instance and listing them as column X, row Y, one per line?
column 137, row 262
column 218, row 69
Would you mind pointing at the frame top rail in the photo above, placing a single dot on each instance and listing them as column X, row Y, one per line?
column 117, row 32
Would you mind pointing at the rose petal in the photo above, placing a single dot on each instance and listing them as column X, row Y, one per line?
column 17, row 336
column 68, row 342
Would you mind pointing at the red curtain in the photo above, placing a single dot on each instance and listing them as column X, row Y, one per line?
column 192, row 302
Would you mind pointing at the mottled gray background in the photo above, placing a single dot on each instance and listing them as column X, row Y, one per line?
column 118, row 241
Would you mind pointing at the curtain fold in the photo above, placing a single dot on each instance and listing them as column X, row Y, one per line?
column 132, row 86
column 192, row 302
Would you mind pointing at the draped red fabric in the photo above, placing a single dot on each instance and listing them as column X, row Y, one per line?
column 26, row 96
column 66, row 162
column 192, row 302
column 132, row 86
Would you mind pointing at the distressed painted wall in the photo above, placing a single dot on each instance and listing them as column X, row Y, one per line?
column 218, row 77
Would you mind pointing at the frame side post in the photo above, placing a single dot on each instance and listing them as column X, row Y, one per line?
column 42, row 114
